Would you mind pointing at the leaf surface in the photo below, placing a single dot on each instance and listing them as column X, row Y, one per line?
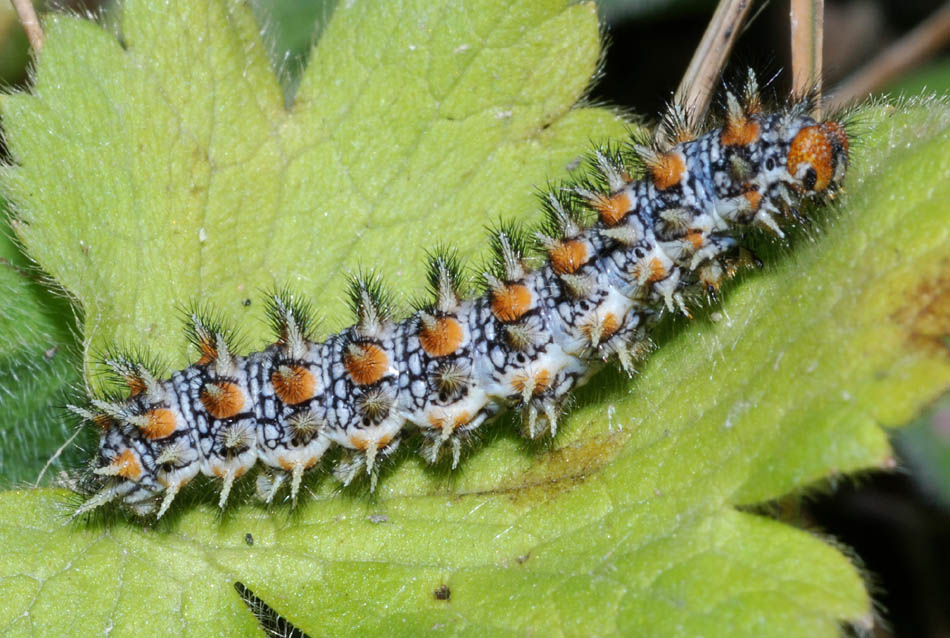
column 37, row 360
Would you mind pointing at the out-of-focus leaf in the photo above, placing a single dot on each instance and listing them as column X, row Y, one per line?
column 38, row 366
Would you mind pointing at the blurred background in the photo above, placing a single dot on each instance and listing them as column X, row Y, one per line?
column 898, row 524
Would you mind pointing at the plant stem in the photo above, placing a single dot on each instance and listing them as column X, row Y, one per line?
column 31, row 24
column 807, row 27
column 695, row 89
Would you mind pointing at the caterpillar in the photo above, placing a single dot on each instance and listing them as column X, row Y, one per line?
column 656, row 227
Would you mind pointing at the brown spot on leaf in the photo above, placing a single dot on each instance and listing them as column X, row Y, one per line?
column 925, row 313
column 561, row 469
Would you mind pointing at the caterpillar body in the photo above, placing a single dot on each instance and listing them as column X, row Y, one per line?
column 659, row 241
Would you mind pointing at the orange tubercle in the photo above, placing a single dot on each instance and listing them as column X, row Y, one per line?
column 511, row 303
column 128, row 464
column 208, row 352
column 366, row 363
column 657, row 270
column 103, row 421
column 290, row 465
column 542, row 379
column 754, row 198
column 222, row 399
column 164, row 482
column 568, row 256
column 135, row 384
column 612, row 209
column 741, row 132
column 442, row 338
column 363, row 443
column 608, row 326
column 668, row 170
column 695, row 237
column 293, row 384
column 161, row 423
column 221, row 471
column 710, row 279
column 460, row 419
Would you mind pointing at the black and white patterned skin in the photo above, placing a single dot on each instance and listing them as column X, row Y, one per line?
column 660, row 242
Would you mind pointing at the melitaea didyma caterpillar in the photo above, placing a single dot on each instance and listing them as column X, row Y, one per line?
column 660, row 241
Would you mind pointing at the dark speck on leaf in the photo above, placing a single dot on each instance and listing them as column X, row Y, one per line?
column 442, row 592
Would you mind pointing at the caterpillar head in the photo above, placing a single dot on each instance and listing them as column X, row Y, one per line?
column 124, row 472
column 817, row 157
column 795, row 158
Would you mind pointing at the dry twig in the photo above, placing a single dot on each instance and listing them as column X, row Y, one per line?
column 31, row 24
column 695, row 89
column 807, row 27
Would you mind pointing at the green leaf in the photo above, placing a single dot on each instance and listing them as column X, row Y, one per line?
column 37, row 361
column 179, row 176
column 925, row 445
column 932, row 77
column 291, row 28
column 166, row 169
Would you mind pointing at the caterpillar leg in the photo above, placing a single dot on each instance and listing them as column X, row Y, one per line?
column 360, row 460
column 290, row 456
column 540, row 417
column 227, row 481
column 103, row 497
column 268, row 484
column 542, row 389
column 348, row 468
column 452, row 431
column 170, row 492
